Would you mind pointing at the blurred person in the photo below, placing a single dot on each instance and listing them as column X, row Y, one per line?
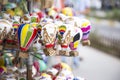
column 0, row 8
column 48, row 3
column 68, row 3
column 80, row 9
column 58, row 5
column 36, row 4
column 3, row 3
column 45, row 4
column 0, row 12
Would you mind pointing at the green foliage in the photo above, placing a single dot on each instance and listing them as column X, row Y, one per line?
column 115, row 14
column 22, row 79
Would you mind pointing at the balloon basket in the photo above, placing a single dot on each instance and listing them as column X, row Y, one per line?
column 86, row 42
column 74, row 53
column 63, row 53
column 49, row 51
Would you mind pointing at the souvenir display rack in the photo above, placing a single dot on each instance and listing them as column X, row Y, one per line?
column 24, row 39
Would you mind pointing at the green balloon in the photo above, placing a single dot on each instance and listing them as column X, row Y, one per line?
column 42, row 65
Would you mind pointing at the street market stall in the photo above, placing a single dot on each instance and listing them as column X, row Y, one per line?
column 55, row 34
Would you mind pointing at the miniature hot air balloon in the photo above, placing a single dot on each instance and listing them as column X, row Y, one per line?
column 48, row 37
column 35, row 18
column 39, row 29
column 67, row 11
column 5, row 27
column 62, row 29
column 76, row 38
column 26, row 35
column 61, row 66
column 65, row 75
column 85, row 27
column 15, row 26
column 64, row 39
column 12, row 34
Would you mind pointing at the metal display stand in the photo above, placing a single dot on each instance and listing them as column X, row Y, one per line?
column 30, row 58
column 29, row 66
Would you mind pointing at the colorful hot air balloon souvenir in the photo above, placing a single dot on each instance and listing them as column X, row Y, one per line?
column 5, row 27
column 62, row 29
column 48, row 37
column 64, row 39
column 26, row 35
column 85, row 27
column 35, row 18
column 39, row 27
column 76, row 38
column 15, row 26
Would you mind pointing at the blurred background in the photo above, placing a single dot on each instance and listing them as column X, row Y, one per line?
column 100, row 60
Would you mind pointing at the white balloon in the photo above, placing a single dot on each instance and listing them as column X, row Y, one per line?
column 5, row 23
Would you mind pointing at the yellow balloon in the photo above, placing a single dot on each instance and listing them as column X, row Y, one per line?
column 45, row 75
column 85, row 24
column 11, row 12
column 52, row 13
column 66, row 66
column 67, row 11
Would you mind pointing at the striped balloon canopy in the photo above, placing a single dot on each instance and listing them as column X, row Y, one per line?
column 39, row 28
column 62, row 29
column 76, row 38
column 85, row 27
column 26, row 34
column 15, row 26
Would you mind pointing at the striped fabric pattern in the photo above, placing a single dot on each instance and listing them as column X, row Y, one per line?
column 26, row 35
